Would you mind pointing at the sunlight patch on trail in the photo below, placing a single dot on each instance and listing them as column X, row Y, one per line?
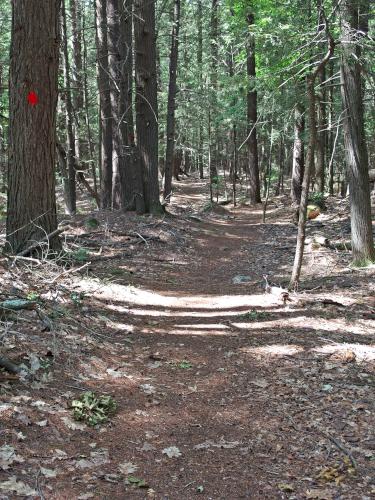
column 363, row 352
column 273, row 350
column 137, row 296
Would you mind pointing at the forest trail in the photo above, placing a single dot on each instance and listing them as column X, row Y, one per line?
column 222, row 392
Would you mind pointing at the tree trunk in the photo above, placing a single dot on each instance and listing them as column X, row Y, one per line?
column 105, row 122
column 71, row 197
column 77, row 73
column 32, row 146
column 252, row 118
column 297, row 266
column 146, row 101
column 200, row 85
column 130, row 171
column 298, row 154
column 171, row 103
column 113, row 38
column 354, row 132
column 214, row 77
column 322, row 135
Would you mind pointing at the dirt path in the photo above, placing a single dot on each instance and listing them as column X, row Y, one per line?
column 250, row 398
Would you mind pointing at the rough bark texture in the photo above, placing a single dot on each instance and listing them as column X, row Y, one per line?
column 146, row 100
column 130, row 167
column 214, row 157
column 252, row 117
column 34, row 59
column 200, row 77
column 354, row 133
column 70, row 196
column 105, row 105
column 297, row 265
column 322, row 134
column 171, row 103
column 298, row 154
column 114, row 61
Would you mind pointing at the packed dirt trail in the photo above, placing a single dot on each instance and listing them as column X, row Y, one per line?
column 222, row 392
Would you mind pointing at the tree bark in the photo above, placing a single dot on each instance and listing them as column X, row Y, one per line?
column 214, row 157
column 322, row 134
column 146, row 101
column 71, row 196
column 298, row 154
column 252, row 118
column 200, row 85
column 114, row 61
column 130, row 167
column 311, row 78
column 171, row 103
column 105, row 123
column 32, row 147
column 354, row 131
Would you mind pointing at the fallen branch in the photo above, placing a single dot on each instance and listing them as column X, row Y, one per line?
column 69, row 271
column 341, row 447
column 35, row 245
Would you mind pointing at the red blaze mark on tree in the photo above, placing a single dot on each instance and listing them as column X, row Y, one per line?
column 32, row 98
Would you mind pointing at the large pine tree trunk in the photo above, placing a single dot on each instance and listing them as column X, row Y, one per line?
column 298, row 154
column 252, row 118
column 146, row 100
column 77, row 74
column 214, row 156
column 105, row 105
column 354, row 132
column 171, row 103
column 200, row 85
column 32, row 145
column 113, row 36
column 70, row 196
column 130, row 167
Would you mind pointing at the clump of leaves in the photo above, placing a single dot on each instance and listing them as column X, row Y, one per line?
column 254, row 315
column 135, row 481
column 93, row 409
column 317, row 198
column 92, row 223
column 80, row 255
column 33, row 296
column 338, row 472
column 77, row 298
column 183, row 365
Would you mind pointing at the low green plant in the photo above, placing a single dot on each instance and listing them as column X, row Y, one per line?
column 77, row 298
column 93, row 409
column 33, row 296
column 80, row 255
column 317, row 198
column 254, row 315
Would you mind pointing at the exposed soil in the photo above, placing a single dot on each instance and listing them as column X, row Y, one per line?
column 251, row 398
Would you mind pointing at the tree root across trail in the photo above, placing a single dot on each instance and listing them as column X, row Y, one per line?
column 220, row 390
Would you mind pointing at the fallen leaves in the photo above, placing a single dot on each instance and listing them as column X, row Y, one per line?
column 172, row 452
column 12, row 485
column 8, row 456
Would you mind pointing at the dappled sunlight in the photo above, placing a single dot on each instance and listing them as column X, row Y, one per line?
column 315, row 323
column 276, row 350
column 198, row 330
column 363, row 352
column 137, row 296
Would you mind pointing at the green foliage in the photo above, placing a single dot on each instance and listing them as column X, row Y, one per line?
column 254, row 316
column 80, row 255
column 77, row 298
column 316, row 198
column 92, row 409
column 92, row 223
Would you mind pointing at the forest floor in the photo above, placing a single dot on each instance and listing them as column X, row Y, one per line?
column 221, row 390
